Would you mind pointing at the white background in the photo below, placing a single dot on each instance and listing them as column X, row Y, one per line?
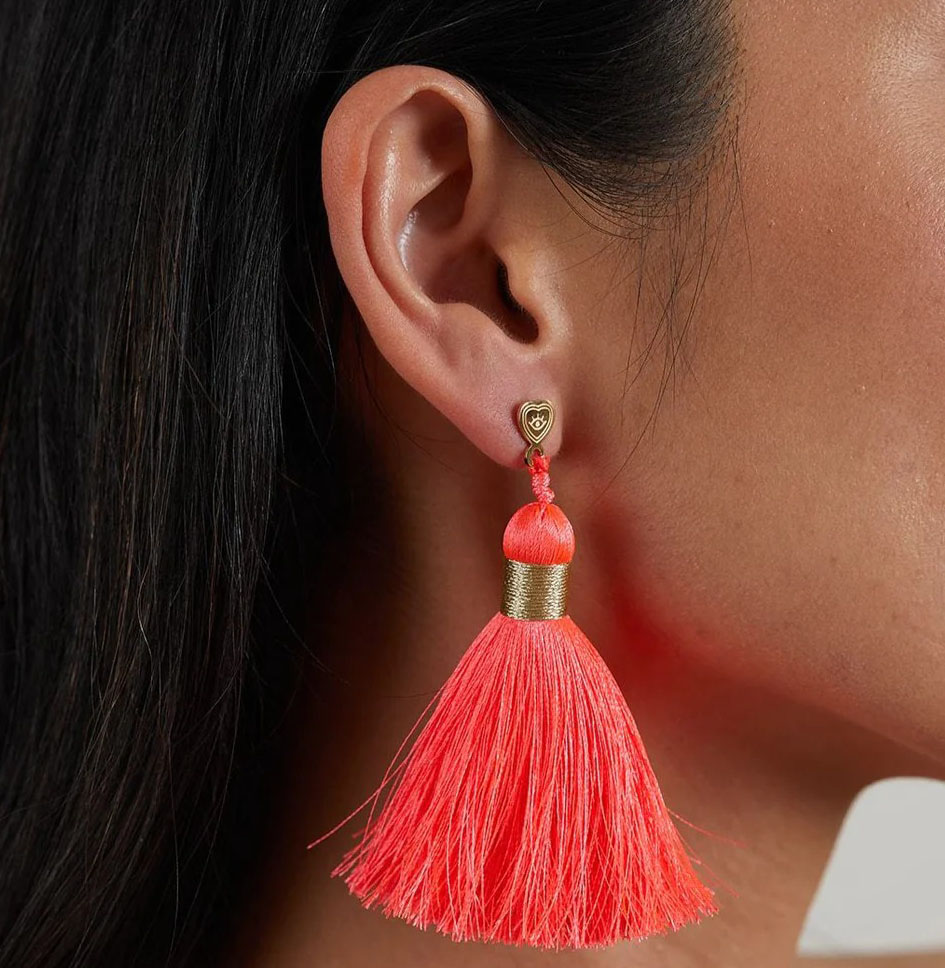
column 884, row 888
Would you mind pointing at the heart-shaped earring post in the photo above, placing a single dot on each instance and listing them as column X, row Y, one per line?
column 535, row 420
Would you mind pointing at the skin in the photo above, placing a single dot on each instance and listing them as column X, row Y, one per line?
column 758, row 492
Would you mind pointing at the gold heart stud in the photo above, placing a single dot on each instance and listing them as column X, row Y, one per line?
column 535, row 420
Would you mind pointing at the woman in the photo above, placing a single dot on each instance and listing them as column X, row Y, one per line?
column 275, row 278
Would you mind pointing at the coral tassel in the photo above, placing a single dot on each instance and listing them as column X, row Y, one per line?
column 527, row 811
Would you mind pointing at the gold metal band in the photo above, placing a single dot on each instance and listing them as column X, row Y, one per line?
column 534, row 593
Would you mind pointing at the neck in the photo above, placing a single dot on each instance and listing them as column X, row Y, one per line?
column 404, row 596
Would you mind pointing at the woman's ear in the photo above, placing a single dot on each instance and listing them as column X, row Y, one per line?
column 437, row 216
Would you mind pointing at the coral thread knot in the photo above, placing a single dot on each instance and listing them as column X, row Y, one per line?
column 541, row 479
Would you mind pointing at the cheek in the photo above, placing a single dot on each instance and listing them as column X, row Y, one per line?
column 800, row 518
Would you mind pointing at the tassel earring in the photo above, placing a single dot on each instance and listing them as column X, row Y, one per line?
column 527, row 811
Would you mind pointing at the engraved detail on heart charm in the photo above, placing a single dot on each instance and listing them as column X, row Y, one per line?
column 535, row 420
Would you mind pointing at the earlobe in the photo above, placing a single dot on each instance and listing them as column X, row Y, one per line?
column 430, row 229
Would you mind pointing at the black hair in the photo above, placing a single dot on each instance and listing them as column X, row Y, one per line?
column 169, row 310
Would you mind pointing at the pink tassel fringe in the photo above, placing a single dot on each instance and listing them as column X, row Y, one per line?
column 527, row 811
